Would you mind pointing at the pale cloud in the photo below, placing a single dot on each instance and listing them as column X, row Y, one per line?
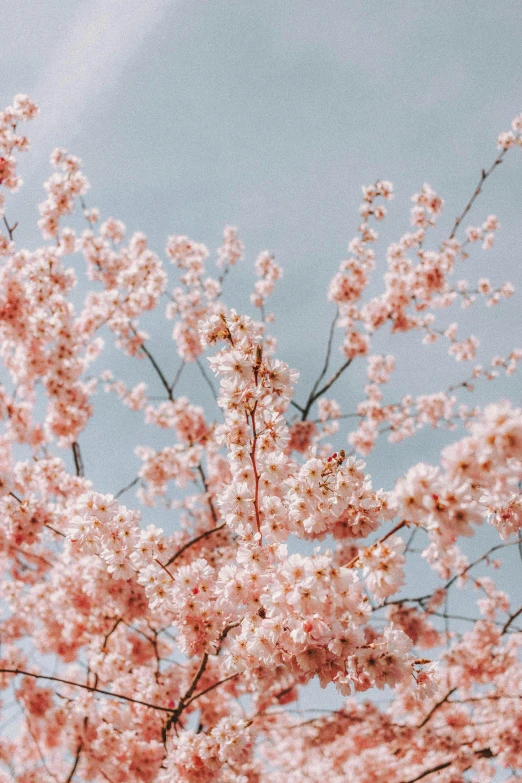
column 86, row 63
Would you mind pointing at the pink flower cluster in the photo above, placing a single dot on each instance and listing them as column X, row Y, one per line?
column 132, row 655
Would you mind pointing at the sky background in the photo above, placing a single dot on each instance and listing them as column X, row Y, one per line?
column 192, row 115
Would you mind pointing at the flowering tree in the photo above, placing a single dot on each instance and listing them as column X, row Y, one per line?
column 139, row 656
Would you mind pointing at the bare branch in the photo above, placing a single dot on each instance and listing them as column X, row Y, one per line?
column 177, row 376
column 75, row 765
column 211, row 688
column 328, row 354
column 510, row 619
column 483, row 752
column 313, row 397
column 54, row 530
column 483, row 177
column 423, row 598
column 78, row 461
column 156, row 366
column 207, row 378
column 126, row 489
column 87, row 688
column 188, row 696
column 436, row 707
column 192, row 542
column 209, row 496
column 10, row 229
column 395, row 529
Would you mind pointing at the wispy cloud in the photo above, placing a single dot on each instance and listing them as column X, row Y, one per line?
column 87, row 62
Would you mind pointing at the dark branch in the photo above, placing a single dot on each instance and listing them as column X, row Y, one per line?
column 126, row 489
column 10, row 229
column 328, row 354
column 177, row 376
column 176, row 714
column 483, row 752
column 156, row 366
column 483, row 177
column 78, row 461
column 421, row 599
column 192, row 542
column 207, row 379
column 209, row 496
column 54, row 530
column 75, row 765
column 313, row 397
column 189, row 697
column 510, row 619
column 211, row 688
column 436, row 707
column 87, row 688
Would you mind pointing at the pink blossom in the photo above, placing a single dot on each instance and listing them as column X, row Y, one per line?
column 138, row 654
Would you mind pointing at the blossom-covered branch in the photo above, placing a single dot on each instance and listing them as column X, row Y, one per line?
column 285, row 562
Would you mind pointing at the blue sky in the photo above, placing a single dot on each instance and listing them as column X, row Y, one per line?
column 270, row 116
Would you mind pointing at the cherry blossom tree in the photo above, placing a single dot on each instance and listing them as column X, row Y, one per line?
column 133, row 655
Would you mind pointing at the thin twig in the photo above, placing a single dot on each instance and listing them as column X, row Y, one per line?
column 254, row 468
column 87, row 688
column 54, row 530
column 192, row 542
column 42, row 757
column 483, row 177
column 206, row 378
column 125, row 489
column 156, row 366
column 33, row 555
column 436, row 707
column 510, row 619
column 438, row 768
column 313, row 397
column 78, row 461
column 421, row 599
column 177, row 376
column 76, row 760
column 189, row 696
column 211, row 688
column 10, row 229
column 209, row 496
column 328, row 354
column 483, row 752
column 395, row 529
column 174, row 718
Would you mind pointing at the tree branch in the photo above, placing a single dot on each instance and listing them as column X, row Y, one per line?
column 10, row 229
column 156, row 366
column 86, row 688
column 423, row 598
column 211, row 688
column 192, row 542
column 125, row 489
column 78, row 461
column 510, row 619
column 395, row 529
column 328, row 354
column 209, row 496
column 313, row 397
column 177, row 376
column 483, row 177
column 484, row 752
column 207, row 379
column 76, row 761
column 436, row 707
